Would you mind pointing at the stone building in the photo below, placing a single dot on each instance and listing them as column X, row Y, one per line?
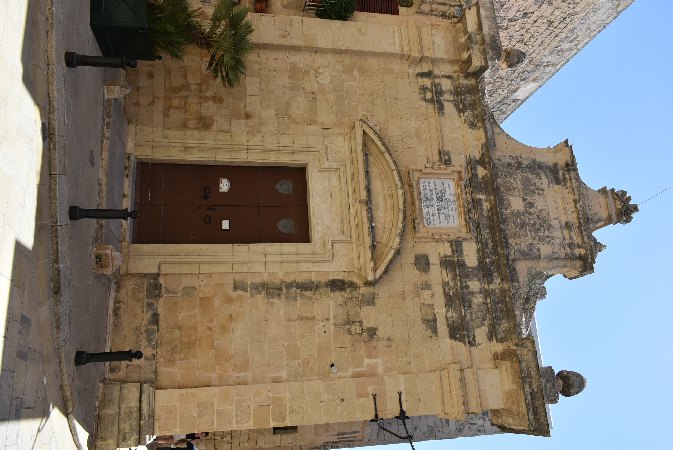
column 545, row 34
column 345, row 234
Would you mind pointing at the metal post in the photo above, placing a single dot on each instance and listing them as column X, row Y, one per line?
column 82, row 357
column 77, row 213
column 73, row 59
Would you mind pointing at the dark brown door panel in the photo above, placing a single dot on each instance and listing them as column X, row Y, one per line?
column 203, row 225
column 185, row 184
column 149, row 184
column 282, row 186
column 284, row 224
column 147, row 228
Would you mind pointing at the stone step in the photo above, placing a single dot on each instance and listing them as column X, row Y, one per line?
column 129, row 415
column 146, row 413
column 125, row 416
column 107, row 428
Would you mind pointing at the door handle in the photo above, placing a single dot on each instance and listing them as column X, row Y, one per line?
column 207, row 219
column 206, row 193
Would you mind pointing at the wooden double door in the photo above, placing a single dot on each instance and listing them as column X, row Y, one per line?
column 215, row 204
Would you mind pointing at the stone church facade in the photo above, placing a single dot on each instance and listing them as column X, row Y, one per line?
column 430, row 233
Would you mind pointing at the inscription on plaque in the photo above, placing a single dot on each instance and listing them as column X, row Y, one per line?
column 438, row 202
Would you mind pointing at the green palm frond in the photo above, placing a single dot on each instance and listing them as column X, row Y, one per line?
column 229, row 36
column 174, row 25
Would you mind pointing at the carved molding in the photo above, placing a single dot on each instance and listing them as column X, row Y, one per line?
column 330, row 222
column 379, row 194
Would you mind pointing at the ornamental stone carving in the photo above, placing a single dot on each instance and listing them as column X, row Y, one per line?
column 625, row 208
column 598, row 246
column 570, row 383
column 567, row 383
column 534, row 293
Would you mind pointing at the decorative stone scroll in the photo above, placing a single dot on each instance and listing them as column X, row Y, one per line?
column 625, row 208
column 438, row 203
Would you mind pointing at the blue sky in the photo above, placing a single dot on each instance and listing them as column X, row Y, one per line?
column 612, row 101
column 615, row 326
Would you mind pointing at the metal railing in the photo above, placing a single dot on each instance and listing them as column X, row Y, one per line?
column 370, row 6
column 310, row 6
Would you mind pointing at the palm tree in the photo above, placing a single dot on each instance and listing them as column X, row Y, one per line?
column 174, row 25
column 230, row 45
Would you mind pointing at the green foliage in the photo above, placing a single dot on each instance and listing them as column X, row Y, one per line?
column 174, row 26
column 336, row 9
column 229, row 35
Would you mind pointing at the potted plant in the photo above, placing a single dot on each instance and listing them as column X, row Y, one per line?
column 335, row 9
column 229, row 42
column 174, row 25
column 139, row 29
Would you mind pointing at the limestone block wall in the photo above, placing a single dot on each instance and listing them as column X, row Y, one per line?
column 269, row 341
column 135, row 324
column 549, row 32
column 269, row 346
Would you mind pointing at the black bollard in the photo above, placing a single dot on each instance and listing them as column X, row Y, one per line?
column 73, row 59
column 82, row 357
column 77, row 213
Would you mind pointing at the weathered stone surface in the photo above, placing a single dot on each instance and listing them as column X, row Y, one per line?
column 129, row 415
column 243, row 338
column 549, row 34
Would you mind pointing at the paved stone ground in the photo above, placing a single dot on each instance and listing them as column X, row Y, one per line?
column 32, row 409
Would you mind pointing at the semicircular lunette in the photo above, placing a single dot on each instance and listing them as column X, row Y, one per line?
column 385, row 204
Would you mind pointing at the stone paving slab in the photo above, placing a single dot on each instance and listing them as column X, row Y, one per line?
column 33, row 413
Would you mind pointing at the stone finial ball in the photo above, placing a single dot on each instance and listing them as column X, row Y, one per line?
column 572, row 383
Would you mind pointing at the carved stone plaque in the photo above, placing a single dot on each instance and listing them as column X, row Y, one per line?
column 438, row 202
